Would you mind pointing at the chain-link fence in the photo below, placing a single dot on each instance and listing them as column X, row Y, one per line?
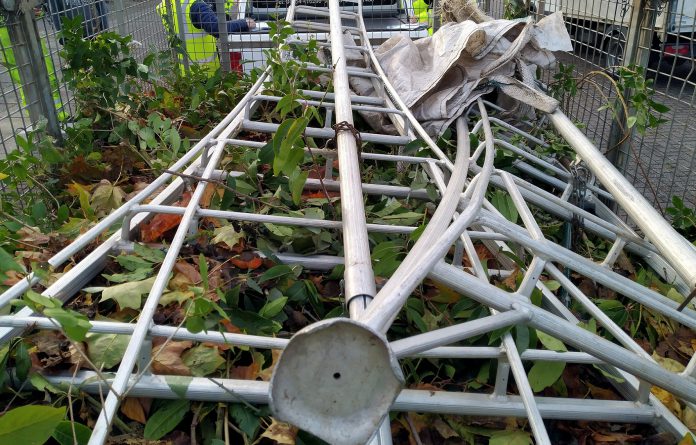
column 31, row 80
column 658, row 36
column 606, row 33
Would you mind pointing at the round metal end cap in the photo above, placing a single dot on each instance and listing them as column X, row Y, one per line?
column 336, row 379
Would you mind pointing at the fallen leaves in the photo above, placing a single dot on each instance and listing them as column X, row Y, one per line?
column 160, row 224
column 280, row 432
column 136, row 408
column 247, row 260
column 128, row 295
column 203, row 360
column 166, row 358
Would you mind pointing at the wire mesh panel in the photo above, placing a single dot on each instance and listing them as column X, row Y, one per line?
column 658, row 36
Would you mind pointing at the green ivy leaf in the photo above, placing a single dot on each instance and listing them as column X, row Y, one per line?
column 273, row 308
column 202, row 360
column 74, row 324
column 246, row 420
column 106, row 350
column 63, row 434
column 29, row 425
column 510, row 437
column 551, row 343
column 165, row 419
column 544, row 374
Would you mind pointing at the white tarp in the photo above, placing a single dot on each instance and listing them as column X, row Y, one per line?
column 439, row 76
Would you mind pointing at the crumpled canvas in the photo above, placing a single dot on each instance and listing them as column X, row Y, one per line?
column 438, row 77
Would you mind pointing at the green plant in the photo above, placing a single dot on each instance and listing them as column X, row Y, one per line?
column 683, row 218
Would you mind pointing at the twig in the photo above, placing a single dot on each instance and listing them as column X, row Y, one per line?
column 225, row 186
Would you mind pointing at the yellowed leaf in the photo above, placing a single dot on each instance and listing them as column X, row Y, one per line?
column 688, row 440
column 668, row 363
column 668, row 400
column 280, row 432
column 133, row 409
column 689, row 418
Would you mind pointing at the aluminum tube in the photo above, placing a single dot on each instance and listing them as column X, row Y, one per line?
column 318, row 103
column 451, row 334
column 327, row 133
column 443, row 402
column 120, row 383
column 181, row 333
column 489, row 352
column 568, row 332
column 359, row 277
column 388, row 302
column 677, row 250
column 602, row 275
column 536, row 422
column 273, row 219
column 353, row 98
column 595, row 312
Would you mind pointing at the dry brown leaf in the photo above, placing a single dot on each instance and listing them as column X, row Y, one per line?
column 668, row 400
column 33, row 235
column 601, row 393
column 280, row 432
column 134, row 409
column 188, row 270
column 511, row 281
column 444, row 430
column 167, row 358
column 208, row 194
column 13, row 277
column 608, row 437
column 250, row 372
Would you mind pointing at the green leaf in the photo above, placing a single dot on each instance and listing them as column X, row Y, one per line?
column 29, row 425
column 38, row 301
column 246, row 419
column 178, row 384
column 128, row 295
column 253, row 323
column 275, row 272
column 631, row 121
column 296, row 181
column 149, row 254
column 7, row 262
column 175, row 297
column 551, row 343
column 63, row 434
column 510, row 437
column 165, row 419
column 273, row 308
column 136, row 275
column 202, row 360
column 106, row 350
column 544, row 374
column 22, row 360
column 74, row 324
column 133, row 262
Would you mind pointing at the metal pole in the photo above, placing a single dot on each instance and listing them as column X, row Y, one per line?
column 181, row 21
column 119, row 12
column 31, row 65
column 223, row 36
column 678, row 251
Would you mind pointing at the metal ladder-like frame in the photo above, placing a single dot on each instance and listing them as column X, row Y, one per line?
column 340, row 377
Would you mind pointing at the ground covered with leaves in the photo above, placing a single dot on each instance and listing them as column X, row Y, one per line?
column 136, row 118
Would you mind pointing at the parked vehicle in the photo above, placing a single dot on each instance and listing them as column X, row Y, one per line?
column 603, row 24
column 383, row 18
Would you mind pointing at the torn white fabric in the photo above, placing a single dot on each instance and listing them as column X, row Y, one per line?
column 438, row 77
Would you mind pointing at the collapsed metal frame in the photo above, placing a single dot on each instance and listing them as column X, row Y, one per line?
column 460, row 219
